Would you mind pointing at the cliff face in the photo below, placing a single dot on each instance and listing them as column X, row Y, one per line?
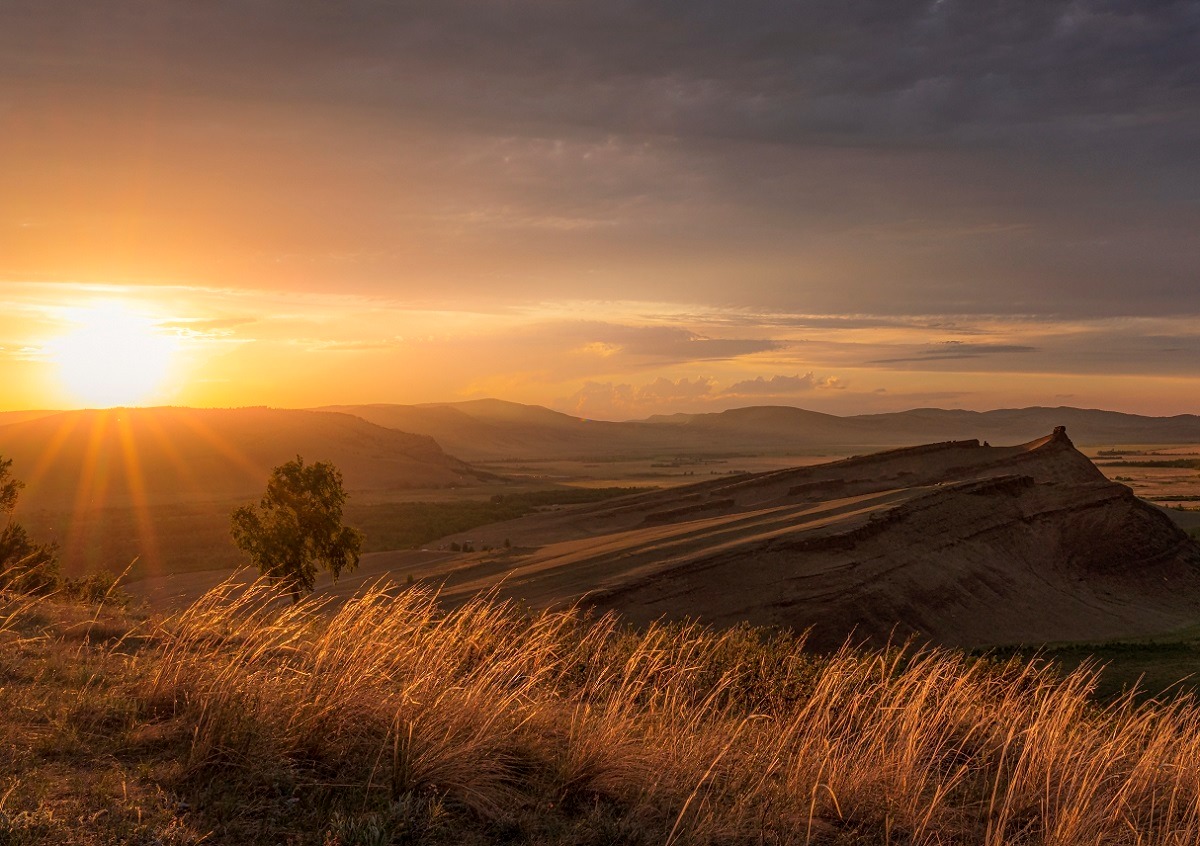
column 1000, row 560
column 959, row 543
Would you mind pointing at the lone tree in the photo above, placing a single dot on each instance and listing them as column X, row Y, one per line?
column 297, row 526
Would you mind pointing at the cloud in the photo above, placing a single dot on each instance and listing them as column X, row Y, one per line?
column 955, row 350
column 205, row 329
column 764, row 69
column 358, row 345
column 607, row 400
column 781, row 386
column 1038, row 156
column 658, row 345
column 666, row 390
column 621, row 399
column 23, row 353
column 838, row 321
column 678, row 344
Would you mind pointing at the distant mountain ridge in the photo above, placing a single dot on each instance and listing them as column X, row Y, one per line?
column 7, row 417
column 497, row 430
column 488, row 430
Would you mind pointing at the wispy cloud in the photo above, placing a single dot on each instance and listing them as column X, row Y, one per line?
column 23, row 353
column 955, row 350
column 363, row 345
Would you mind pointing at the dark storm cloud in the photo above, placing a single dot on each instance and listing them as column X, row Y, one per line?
column 887, row 157
column 778, row 70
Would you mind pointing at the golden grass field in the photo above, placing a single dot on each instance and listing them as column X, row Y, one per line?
column 1164, row 485
column 379, row 713
column 243, row 719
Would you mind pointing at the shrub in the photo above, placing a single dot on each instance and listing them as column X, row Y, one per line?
column 25, row 567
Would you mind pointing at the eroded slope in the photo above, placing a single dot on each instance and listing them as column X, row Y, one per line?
column 958, row 542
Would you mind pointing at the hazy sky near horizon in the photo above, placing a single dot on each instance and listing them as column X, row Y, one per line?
column 615, row 208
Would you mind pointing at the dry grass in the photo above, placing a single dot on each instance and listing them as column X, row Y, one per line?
column 385, row 720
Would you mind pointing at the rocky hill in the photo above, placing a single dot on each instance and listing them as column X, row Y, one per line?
column 956, row 542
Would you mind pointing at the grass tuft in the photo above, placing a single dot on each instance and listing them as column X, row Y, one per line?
column 387, row 720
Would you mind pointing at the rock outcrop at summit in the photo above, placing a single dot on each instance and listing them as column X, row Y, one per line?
column 956, row 543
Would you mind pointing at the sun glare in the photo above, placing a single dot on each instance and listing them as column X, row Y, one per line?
column 113, row 356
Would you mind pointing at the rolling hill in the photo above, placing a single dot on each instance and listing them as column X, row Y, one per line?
column 494, row 430
column 791, row 427
column 169, row 454
column 7, row 417
column 157, row 485
column 491, row 430
column 956, row 542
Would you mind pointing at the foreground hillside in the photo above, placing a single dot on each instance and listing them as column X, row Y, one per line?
column 242, row 720
column 960, row 543
column 166, row 454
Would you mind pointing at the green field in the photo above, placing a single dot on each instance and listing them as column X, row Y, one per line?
column 1155, row 668
column 188, row 537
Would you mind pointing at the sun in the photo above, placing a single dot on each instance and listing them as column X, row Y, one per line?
column 114, row 355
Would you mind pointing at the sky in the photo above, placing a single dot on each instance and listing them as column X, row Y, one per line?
column 612, row 208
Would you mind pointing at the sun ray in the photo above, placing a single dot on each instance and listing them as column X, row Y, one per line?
column 136, row 483
column 153, row 429
column 67, row 423
column 92, row 487
column 222, row 446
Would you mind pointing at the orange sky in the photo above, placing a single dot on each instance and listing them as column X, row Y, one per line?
column 615, row 209
column 76, row 345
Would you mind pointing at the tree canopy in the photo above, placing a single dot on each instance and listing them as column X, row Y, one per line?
column 9, row 488
column 296, row 529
